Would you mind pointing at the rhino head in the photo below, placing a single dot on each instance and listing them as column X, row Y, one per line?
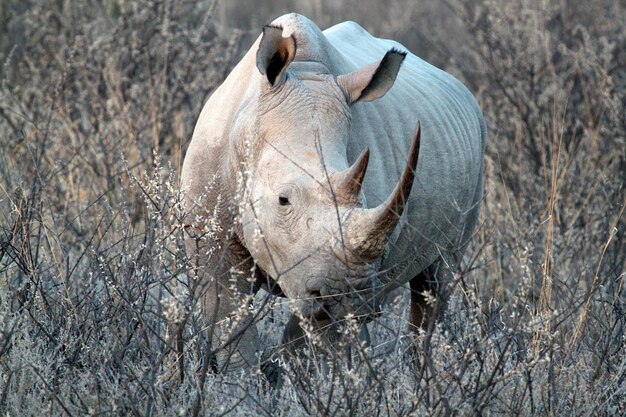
column 303, row 216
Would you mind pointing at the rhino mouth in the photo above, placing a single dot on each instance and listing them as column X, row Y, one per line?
column 363, row 307
column 322, row 315
column 319, row 312
column 325, row 315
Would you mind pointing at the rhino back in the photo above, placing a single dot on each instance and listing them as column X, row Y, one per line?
column 448, row 185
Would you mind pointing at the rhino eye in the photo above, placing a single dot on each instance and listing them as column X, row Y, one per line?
column 283, row 200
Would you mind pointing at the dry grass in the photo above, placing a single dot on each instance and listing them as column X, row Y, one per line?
column 97, row 104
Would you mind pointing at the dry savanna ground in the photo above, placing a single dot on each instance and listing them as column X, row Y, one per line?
column 98, row 100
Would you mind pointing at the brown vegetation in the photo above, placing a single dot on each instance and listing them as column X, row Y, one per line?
column 97, row 105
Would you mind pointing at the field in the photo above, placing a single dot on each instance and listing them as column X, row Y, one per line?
column 98, row 100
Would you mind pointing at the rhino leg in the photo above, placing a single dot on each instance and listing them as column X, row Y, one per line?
column 422, row 314
column 293, row 335
column 231, row 329
column 292, row 341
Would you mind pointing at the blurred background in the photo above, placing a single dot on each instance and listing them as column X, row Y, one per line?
column 410, row 22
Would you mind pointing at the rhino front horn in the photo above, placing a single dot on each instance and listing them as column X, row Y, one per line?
column 369, row 229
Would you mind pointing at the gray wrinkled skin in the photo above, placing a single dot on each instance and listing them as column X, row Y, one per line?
column 259, row 144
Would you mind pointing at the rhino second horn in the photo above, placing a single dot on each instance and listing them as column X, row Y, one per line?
column 348, row 183
column 369, row 229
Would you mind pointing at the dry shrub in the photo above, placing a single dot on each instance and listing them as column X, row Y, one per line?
column 97, row 104
column 553, row 92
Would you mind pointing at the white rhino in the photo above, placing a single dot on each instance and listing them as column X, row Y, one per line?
column 301, row 178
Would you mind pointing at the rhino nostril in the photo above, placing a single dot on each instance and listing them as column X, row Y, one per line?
column 315, row 294
column 316, row 288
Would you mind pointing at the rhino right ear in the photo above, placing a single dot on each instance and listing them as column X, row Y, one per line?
column 275, row 53
column 373, row 81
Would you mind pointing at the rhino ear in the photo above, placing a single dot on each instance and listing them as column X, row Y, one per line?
column 373, row 81
column 275, row 53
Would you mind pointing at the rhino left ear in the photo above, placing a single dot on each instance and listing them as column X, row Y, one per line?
column 275, row 53
column 373, row 81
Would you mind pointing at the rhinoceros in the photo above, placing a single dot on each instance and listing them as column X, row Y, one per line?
column 332, row 168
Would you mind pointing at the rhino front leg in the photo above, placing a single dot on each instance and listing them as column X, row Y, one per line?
column 231, row 327
column 220, row 283
column 422, row 313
